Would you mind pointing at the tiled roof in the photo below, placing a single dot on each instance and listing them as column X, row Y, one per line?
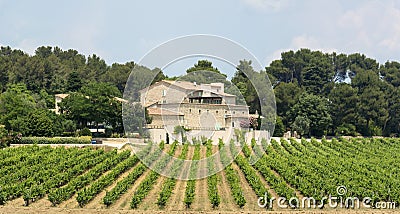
column 186, row 85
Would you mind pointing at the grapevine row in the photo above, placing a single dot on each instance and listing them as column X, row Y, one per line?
column 59, row 195
column 212, row 180
column 191, row 184
column 169, row 184
column 151, row 178
column 232, row 176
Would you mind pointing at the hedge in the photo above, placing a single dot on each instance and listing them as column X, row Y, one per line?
column 55, row 140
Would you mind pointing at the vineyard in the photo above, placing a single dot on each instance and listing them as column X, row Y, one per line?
column 93, row 178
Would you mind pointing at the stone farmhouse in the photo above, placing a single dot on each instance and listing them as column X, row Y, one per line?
column 204, row 109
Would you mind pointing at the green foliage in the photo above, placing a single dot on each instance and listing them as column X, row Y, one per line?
column 87, row 194
column 245, row 73
column 279, row 127
column 15, row 103
column 191, row 183
column 85, row 132
column 346, row 130
column 55, row 140
column 231, row 175
column 311, row 111
column 301, row 125
column 147, row 184
column 202, row 65
column 59, row 195
column 74, row 82
column 212, row 179
column 44, row 168
column 251, row 175
column 28, row 83
column 170, row 183
column 4, row 139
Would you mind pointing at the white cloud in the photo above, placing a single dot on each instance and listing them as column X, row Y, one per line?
column 267, row 5
column 372, row 28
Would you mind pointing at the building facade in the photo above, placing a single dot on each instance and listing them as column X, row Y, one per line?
column 204, row 109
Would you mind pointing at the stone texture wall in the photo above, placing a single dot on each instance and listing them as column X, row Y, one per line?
column 162, row 93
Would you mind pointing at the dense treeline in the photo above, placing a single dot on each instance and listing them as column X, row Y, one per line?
column 316, row 93
column 28, row 85
column 329, row 94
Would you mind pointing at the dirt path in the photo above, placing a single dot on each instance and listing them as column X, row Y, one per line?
column 201, row 201
column 176, row 202
column 227, row 202
column 43, row 202
column 18, row 202
column 150, row 201
column 31, row 210
column 224, row 191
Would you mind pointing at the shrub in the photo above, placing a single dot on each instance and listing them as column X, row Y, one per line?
column 85, row 132
column 56, row 140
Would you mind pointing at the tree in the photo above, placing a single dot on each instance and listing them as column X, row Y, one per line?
column 314, row 109
column 15, row 103
column 343, row 102
column 180, row 130
column 104, row 108
column 74, row 82
column 140, row 78
column 245, row 72
column 391, row 73
column 279, row 127
column 392, row 125
column 372, row 108
column 317, row 74
column 135, row 118
column 203, row 65
column 373, row 104
column 301, row 125
column 40, row 124
column 76, row 107
column 286, row 96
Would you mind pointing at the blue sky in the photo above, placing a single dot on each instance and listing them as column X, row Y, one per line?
column 121, row 31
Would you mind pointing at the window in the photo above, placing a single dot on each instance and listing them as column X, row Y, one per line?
column 199, row 111
column 233, row 124
column 234, row 112
column 164, row 92
column 216, row 112
column 207, row 111
column 190, row 110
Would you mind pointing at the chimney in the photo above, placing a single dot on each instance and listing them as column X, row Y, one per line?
column 194, row 83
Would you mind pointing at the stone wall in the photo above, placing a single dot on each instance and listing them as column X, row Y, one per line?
column 162, row 93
